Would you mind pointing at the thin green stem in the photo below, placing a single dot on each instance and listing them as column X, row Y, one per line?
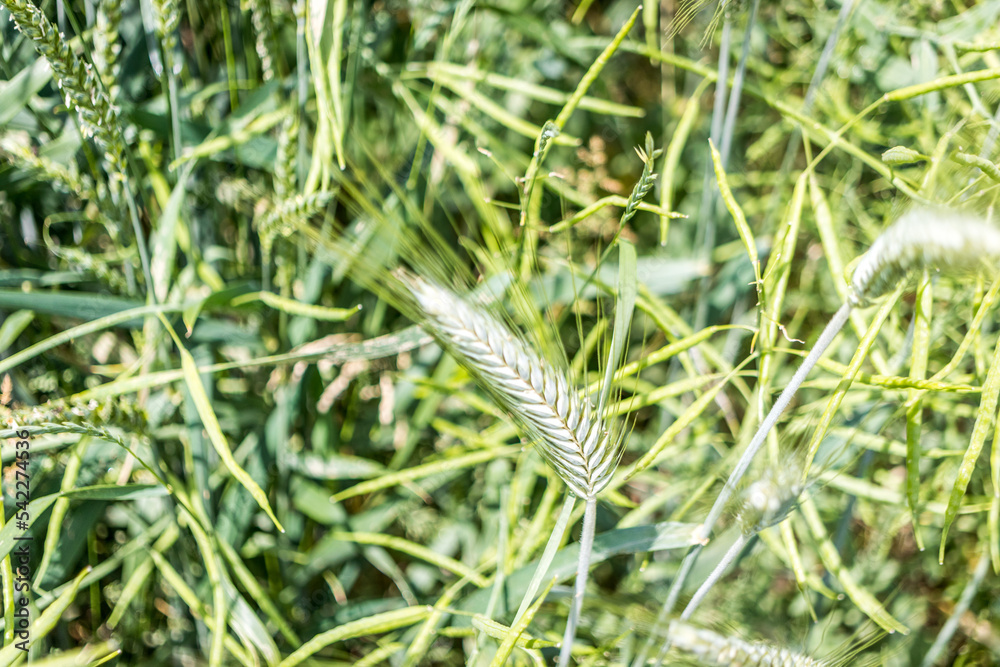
column 550, row 552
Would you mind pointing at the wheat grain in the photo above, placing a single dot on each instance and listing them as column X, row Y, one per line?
column 564, row 427
column 923, row 238
column 107, row 47
column 76, row 80
column 712, row 648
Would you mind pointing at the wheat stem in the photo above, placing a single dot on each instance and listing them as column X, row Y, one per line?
column 582, row 571
column 716, row 574
column 822, row 343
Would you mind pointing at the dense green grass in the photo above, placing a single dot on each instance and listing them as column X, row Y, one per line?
column 243, row 449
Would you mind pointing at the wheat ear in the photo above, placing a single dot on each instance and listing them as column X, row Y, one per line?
column 711, row 648
column 565, row 427
column 923, row 238
column 539, row 398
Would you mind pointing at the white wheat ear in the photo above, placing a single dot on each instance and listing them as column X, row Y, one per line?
column 711, row 648
column 564, row 426
column 923, row 238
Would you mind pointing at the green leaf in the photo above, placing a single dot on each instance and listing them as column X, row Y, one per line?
column 12, row 326
column 640, row 539
column 46, row 621
column 17, row 93
column 192, row 379
column 627, row 293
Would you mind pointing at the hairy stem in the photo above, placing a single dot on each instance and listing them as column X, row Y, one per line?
column 829, row 333
column 582, row 570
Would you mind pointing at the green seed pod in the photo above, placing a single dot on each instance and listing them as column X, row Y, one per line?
column 899, row 155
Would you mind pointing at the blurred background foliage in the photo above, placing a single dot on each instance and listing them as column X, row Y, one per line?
column 182, row 336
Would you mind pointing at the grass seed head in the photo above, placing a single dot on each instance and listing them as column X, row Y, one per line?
column 923, row 238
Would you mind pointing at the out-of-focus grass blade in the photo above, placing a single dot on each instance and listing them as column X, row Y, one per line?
column 551, row 547
column 985, row 421
column 682, row 422
column 425, row 470
column 610, row 200
column 337, row 353
column 39, row 506
column 238, row 136
column 500, row 631
column 293, row 307
column 61, row 507
column 12, row 327
column 914, row 402
column 79, row 306
column 220, row 604
column 415, row 550
column 163, row 244
column 140, row 574
column 376, row 624
column 533, row 90
column 851, row 372
column 864, row 600
column 99, row 324
column 260, row 597
column 17, row 92
column 45, row 622
column 197, row 390
column 678, row 141
column 91, row 655
column 419, row 645
column 655, row 537
column 499, row 114
column 512, row 636
column 746, row 235
column 627, row 292
column 192, row 600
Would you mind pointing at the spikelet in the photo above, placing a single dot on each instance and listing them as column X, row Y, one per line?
column 282, row 217
column 107, row 46
column 711, row 648
column 568, row 434
column 76, row 79
column 768, row 500
column 923, row 238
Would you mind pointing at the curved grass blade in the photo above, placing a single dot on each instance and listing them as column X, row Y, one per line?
column 204, row 406
column 375, row 624
column 985, row 421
